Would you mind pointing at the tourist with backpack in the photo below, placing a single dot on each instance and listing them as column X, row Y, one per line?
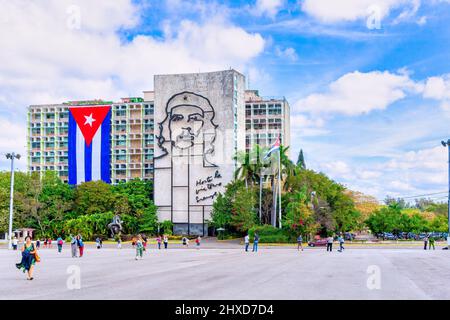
column 80, row 245
column 59, row 243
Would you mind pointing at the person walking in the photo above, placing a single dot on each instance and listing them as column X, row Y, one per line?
column 144, row 242
column 73, row 246
column 158, row 240
column 45, row 243
column 166, row 241
column 98, row 243
column 330, row 244
column 119, row 243
column 80, row 245
column 255, row 242
column 101, row 242
column 139, row 247
column 299, row 242
column 15, row 242
column 197, row 242
column 38, row 244
column 29, row 258
column 341, row 243
column 184, row 240
column 50, row 243
column 425, row 242
column 59, row 243
column 431, row 241
column 247, row 242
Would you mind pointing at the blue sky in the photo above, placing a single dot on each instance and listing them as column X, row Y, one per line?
column 368, row 80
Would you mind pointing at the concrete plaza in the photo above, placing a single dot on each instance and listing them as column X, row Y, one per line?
column 230, row 273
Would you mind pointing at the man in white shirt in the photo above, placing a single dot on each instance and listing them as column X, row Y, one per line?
column 247, row 242
column 330, row 244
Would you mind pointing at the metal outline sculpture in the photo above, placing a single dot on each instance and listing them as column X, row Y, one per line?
column 208, row 146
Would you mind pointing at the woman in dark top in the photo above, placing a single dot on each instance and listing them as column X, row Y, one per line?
column 28, row 258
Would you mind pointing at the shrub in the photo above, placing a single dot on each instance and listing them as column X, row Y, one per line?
column 270, row 234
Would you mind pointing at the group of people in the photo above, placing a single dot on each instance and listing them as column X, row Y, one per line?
column 255, row 242
column 185, row 242
column 428, row 241
column 76, row 245
column 330, row 241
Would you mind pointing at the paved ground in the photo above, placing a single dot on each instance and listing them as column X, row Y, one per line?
column 230, row 273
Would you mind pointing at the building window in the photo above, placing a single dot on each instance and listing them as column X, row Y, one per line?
column 121, row 158
column 121, row 143
column 121, row 113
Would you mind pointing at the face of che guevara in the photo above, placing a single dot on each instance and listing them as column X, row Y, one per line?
column 185, row 123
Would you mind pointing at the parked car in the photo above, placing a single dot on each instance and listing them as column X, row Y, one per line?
column 318, row 243
column 387, row 236
column 411, row 236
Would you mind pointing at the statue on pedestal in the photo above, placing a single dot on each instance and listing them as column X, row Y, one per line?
column 115, row 226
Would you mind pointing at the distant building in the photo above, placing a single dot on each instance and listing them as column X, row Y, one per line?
column 132, row 140
column 266, row 119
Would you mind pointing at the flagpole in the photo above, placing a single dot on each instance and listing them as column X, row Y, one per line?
column 279, row 186
column 260, row 195
column 275, row 200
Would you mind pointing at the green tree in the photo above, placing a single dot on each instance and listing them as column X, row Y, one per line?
column 235, row 209
column 299, row 218
column 243, row 210
column 301, row 160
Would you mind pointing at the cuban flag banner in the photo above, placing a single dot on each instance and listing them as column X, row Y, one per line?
column 275, row 147
column 89, row 144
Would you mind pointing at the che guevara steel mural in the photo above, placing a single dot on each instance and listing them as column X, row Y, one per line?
column 188, row 131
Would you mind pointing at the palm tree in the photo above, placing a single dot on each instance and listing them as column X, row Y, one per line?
column 251, row 166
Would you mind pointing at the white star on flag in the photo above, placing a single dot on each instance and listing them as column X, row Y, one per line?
column 89, row 120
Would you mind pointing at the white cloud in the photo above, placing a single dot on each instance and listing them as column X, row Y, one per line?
column 288, row 54
column 438, row 88
column 434, row 159
column 12, row 140
column 303, row 125
column 268, row 7
column 358, row 93
column 400, row 186
column 331, row 11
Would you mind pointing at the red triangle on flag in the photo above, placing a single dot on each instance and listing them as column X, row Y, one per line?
column 89, row 120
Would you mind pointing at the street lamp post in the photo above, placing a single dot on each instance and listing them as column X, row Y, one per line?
column 11, row 156
column 447, row 145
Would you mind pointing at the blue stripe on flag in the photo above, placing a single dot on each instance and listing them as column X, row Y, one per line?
column 106, row 149
column 87, row 163
column 72, row 150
